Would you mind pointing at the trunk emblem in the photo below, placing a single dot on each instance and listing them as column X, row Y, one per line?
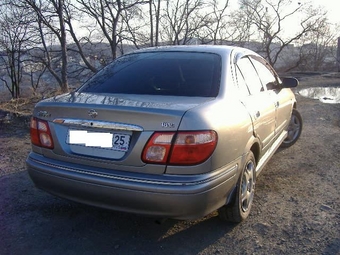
column 45, row 114
column 92, row 113
column 168, row 125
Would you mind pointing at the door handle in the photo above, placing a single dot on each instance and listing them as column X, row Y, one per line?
column 257, row 114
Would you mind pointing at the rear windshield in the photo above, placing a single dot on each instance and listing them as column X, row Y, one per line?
column 159, row 73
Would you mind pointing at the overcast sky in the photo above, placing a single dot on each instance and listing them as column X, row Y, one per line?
column 332, row 7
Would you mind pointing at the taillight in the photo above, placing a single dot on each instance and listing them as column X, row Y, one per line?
column 40, row 133
column 182, row 148
column 193, row 147
column 158, row 148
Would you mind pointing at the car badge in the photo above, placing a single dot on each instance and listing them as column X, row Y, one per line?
column 45, row 114
column 92, row 113
column 168, row 124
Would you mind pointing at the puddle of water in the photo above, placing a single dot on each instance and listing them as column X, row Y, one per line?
column 329, row 95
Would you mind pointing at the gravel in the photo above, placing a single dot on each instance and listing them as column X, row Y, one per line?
column 296, row 208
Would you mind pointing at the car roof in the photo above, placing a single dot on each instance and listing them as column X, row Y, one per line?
column 218, row 49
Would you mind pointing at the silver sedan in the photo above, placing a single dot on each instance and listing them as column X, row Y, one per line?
column 170, row 132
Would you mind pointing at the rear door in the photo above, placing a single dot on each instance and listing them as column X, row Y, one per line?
column 280, row 97
column 258, row 102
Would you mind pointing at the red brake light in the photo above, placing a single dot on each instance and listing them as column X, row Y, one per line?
column 40, row 133
column 182, row 148
column 192, row 148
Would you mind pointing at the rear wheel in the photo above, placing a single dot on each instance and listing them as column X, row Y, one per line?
column 240, row 208
column 294, row 129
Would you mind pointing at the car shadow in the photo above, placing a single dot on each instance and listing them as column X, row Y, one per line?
column 34, row 222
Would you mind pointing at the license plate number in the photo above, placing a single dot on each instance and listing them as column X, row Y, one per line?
column 118, row 142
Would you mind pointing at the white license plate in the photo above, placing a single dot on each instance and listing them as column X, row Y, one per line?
column 119, row 142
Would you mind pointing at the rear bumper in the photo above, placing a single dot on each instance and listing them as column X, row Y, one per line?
column 166, row 196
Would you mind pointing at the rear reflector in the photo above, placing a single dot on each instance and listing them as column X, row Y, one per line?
column 182, row 148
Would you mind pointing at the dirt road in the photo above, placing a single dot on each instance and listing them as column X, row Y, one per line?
column 296, row 208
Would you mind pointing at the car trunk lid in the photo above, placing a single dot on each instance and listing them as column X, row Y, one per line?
column 109, row 130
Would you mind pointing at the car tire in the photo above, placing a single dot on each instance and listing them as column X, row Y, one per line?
column 294, row 129
column 239, row 209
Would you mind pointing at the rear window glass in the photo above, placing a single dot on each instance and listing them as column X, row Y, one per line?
column 159, row 73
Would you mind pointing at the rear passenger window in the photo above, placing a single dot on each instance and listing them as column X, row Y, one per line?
column 266, row 75
column 250, row 75
column 241, row 83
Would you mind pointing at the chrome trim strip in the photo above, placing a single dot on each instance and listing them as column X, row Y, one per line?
column 116, row 177
column 98, row 124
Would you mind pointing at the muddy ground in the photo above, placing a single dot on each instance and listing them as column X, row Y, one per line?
column 296, row 208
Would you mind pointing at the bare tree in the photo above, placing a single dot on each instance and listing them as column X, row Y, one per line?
column 50, row 16
column 154, row 15
column 215, row 23
column 268, row 18
column 70, row 11
column 182, row 20
column 134, row 27
column 317, row 51
column 134, row 24
column 15, row 40
column 238, row 29
column 108, row 16
column 35, row 70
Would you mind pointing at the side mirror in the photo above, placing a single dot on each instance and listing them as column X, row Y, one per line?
column 289, row 82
